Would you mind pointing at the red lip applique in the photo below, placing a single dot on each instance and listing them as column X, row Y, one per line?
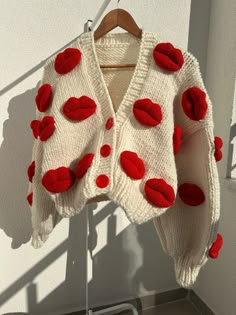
column 177, row 139
column 34, row 125
column 58, row 180
column 194, row 103
column 159, row 192
column 84, row 164
column 168, row 57
column 147, row 113
column 191, row 194
column 216, row 246
column 31, row 170
column 30, row 198
column 46, row 127
column 44, row 97
column 132, row 165
column 79, row 108
column 218, row 145
column 67, row 60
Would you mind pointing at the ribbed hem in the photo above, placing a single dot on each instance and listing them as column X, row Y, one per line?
column 133, row 202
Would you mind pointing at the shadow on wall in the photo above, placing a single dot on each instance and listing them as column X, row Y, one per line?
column 120, row 269
column 15, row 156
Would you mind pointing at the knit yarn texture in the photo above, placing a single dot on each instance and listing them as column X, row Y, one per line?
column 141, row 137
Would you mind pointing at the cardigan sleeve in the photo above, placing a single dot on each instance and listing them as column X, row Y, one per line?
column 188, row 229
column 44, row 216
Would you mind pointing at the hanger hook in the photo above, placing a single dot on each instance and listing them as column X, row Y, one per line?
column 118, row 1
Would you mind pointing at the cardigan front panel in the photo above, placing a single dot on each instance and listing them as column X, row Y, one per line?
column 153, row 145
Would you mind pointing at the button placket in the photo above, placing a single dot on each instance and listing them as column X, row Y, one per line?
column 102, row 180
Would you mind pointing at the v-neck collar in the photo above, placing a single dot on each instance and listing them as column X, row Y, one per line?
column 87, row 42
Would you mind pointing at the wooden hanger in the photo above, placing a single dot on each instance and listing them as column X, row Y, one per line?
column 111, row 20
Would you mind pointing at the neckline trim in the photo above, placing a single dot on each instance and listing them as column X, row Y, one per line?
column 88, row 45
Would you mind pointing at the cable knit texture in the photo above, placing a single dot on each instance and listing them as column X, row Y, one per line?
column 141, row 137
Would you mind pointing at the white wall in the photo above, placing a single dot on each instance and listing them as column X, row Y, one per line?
column 52, row 279
column 217, row 282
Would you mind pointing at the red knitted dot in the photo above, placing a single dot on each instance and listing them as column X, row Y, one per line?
column 194, row 103
column 102, row 180
column 79, row 108
column 34, row 125
column 109, row 123
column 191, row 194
column 218, row 145
column 46, row 127
column 177, row 139
column 216, row 246
column 159, row 192
column 105, row 150
column 58, row 180
column 67, row 60
column 168, row 57
column 83, row 164
column 30, row 198
column 132, row 164
column 44, row 97
column 147, row 113
column 31, row 170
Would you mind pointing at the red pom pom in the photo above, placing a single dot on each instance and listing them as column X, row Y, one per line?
column 44, row 97
column 194, row 103
column 147, row 112
column 58, row 180
column 132, row 165
column 191, row 194
column 31, row 170
column 216, row 246
column 218, row 145
column 102, row 180
column 84, row 164
column 105, row 150
column 177, row 139
column 109, row 123
column 168, row 57
column 46, row 127
column 30, row 198
column 159, row 192
column 79, row 108
column 34, row 125
column 67, row 60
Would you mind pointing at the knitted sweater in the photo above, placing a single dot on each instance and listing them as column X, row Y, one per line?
column 141, row 137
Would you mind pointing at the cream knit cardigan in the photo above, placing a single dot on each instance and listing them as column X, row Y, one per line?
column 186, row 232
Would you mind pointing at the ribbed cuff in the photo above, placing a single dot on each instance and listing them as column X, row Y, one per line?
column 38, row 239
column 186, row 272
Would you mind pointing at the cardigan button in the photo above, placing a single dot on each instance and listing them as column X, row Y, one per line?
column 109, row 123
column 102, row 180
column 105, row 150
